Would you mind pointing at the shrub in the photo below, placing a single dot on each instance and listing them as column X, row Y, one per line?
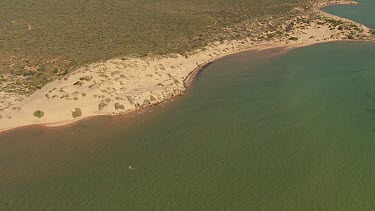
column 119, row 106
column 38, row 114
column 85, row 78
column 102, row 104
column 77, row 113
column 78, row 83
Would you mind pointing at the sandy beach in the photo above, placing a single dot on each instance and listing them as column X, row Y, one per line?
column 122, row 85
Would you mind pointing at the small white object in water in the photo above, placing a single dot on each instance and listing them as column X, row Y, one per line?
column 131, row 167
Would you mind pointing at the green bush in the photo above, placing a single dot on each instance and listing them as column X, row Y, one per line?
column 86, row 78
column 77, row 113
column 38, row 114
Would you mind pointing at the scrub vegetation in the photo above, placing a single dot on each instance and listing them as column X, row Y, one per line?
column 140, row 41
column 38, row 114
column 43, row 40
column 77, row 113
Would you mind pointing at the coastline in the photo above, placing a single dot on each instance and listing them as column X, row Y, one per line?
column 171, row 77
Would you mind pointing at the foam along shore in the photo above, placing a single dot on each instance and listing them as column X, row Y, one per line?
column 122, row 85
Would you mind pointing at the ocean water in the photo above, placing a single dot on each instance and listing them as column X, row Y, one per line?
column 362, row 12
column 256, row 131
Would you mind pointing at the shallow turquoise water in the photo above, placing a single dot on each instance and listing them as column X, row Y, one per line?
column 256, row 131
column 364, row 12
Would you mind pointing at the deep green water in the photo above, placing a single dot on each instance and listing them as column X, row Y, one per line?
column 363, row 13
column 256, row 131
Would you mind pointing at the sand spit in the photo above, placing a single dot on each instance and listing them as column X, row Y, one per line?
column 122, row 85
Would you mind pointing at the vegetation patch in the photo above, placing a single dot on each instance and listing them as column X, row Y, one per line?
column 38, row 114
column 49, row 39
column 119, row 106
column 77, row 113
column 85, row 78
column 102, row 104
column 78, row 83
column 350, row 37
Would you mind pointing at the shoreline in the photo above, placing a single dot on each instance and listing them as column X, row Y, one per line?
column 189, row 79
column 177, row 84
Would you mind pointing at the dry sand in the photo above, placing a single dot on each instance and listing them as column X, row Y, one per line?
column 123, row 85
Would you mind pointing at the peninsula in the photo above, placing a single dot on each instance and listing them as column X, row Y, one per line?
column 127, row 83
